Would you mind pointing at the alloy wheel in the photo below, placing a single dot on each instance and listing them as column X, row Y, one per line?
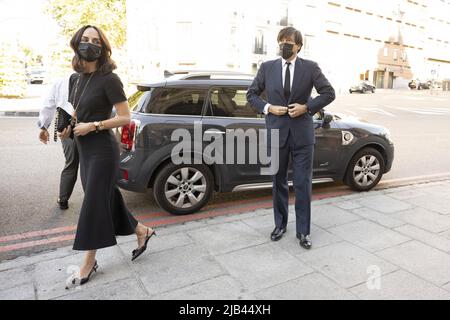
column 366, row 170
column 185, row 187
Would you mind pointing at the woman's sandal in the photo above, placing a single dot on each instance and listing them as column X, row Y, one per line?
column 74, row 280
column 137, row 252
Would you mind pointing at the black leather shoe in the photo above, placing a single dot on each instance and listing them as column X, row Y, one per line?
column 63, row 205
column 277, row 233
column 305, row 240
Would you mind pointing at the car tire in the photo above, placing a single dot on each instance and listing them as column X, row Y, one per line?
column 176, row 192
column 373, row 90
column 350, row 91
column 365, row 170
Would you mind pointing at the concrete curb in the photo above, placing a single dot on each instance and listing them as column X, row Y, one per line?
column 33, row 114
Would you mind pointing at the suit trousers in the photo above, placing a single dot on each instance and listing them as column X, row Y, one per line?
column 302, row 165
column 70, row 172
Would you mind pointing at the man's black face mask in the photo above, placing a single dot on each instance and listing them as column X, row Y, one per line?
column 89, row 52
column 286, row 50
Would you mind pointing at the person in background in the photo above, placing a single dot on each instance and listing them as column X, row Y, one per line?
column 58, row 97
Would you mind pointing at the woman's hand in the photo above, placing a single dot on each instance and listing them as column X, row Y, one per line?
column 82, row 129
column 65, row 133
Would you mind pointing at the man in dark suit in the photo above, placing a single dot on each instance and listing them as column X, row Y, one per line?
column 289, row 108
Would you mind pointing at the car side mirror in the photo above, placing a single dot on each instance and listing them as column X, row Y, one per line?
column 327, row 119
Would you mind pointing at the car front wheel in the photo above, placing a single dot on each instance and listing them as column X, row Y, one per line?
column 365, row 170
column 183, row 189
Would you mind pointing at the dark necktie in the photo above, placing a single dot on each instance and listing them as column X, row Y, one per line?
column 287, row 82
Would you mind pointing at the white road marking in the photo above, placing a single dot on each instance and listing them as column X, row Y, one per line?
column 427, row 111
column 380, row 111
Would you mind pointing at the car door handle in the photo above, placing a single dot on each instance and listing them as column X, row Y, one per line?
column 214, row 132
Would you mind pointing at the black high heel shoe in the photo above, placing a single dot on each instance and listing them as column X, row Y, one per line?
column 84, row 280
column 137, row 252
column 94, row 269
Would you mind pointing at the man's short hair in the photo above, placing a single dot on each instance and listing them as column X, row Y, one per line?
column 288, row 32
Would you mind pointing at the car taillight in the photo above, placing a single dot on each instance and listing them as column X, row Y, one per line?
column 127, row 138
column 125, row 174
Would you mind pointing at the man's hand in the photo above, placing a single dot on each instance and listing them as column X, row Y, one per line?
column 277, row 110
column 44, row 136
column 65, row 133
column 82, row 129
column 296, row 110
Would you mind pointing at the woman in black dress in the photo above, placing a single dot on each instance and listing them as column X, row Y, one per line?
column 93, row 91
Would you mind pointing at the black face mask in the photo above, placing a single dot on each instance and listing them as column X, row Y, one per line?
column 286, row 50
column 89, row 52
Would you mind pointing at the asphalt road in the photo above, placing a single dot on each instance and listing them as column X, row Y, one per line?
column 29, row 171
column 419, row 123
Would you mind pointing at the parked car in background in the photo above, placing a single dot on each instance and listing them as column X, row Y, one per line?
column 412, row 84
column 424, row 85
column 436, row 85
column 349, row 150
column 419, row 85
column 363, row 87
column 36, row 75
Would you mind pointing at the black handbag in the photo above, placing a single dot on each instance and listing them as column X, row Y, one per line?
column 63, row 119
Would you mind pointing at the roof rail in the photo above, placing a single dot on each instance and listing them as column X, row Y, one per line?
column 206, row 75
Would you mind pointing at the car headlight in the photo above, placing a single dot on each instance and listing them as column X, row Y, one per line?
column 347, row 138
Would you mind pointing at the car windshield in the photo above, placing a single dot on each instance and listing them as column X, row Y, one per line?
column 134, row 100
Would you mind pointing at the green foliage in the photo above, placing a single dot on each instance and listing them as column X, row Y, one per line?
column 108, row 15
column 13, row 81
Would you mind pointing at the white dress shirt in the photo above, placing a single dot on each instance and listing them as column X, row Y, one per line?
column 57, row 97
column 283, row 75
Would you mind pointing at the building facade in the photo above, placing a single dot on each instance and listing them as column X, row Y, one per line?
column 388, row 42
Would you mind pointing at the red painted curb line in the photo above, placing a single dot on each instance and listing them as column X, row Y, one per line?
column 169, row 221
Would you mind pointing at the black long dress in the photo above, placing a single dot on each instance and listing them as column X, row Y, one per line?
column 104, row 214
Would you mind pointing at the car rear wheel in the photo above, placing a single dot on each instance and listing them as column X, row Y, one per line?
column 183, row 189
column 365, row 170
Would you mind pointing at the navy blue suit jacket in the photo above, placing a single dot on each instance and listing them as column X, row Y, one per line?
column 306, row 75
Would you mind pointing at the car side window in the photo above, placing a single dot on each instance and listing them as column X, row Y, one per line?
column 318, row 116
column 176, row 101
column 230, row 102
column 135, row 100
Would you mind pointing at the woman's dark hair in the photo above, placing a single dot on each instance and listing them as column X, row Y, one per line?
column 288, row 32
column 104, row 64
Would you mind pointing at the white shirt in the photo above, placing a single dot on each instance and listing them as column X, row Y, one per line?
column 283, row 75
column 57, row 97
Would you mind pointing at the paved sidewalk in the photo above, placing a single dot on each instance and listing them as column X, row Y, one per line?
column 388, row 244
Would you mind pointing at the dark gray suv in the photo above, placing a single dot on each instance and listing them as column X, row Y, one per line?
column 348, row 150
